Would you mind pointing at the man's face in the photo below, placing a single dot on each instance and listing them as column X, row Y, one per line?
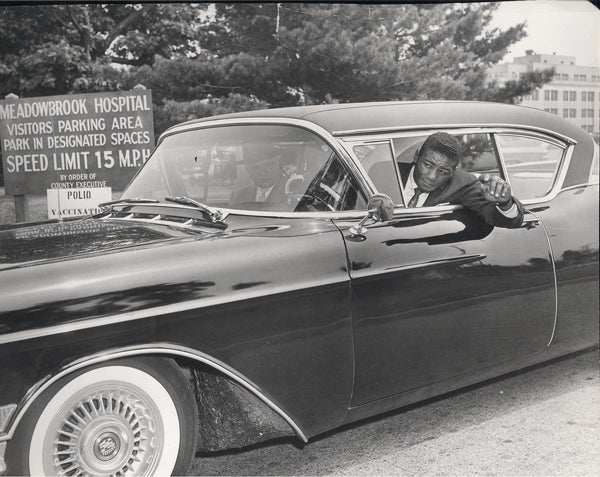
column 433, row 170
column 264, row 172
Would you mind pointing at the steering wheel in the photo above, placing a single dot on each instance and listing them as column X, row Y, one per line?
column 298, row 197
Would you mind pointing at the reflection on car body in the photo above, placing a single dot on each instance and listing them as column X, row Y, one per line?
column 182, row 318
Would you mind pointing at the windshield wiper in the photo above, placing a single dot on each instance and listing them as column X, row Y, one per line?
column 128, row 201
column 215, row 215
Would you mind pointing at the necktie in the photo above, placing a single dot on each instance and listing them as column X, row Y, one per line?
column 415, row 198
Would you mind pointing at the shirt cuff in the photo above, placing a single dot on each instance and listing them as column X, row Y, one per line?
column 510, row 213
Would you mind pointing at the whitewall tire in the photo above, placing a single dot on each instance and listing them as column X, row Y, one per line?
column 133, row 417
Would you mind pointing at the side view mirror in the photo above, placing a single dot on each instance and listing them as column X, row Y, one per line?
column 381, row 209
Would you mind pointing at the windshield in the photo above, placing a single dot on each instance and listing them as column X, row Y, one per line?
column 254, row 167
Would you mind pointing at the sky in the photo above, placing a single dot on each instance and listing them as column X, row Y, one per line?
column 564, row 27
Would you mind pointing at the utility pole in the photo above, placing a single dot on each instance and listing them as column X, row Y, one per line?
column 277, row 25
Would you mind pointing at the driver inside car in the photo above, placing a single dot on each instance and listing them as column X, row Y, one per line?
column 263, row 165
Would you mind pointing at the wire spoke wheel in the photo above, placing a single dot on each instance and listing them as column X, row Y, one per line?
column 119, row 420
column 106, row 432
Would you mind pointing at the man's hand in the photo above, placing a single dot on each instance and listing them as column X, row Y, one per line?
column 496, row 190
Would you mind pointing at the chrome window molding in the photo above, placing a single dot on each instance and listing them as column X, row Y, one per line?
column 594, row 178
column 153, row 348
column 558, row 178
column 358, row 134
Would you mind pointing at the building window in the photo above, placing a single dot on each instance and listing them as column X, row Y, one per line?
column 569, row 113
column 588, row 128
column 535, row 95
column 587, row 113
column 551, row 95
column 551, row 110
column 587, row 96
column 569, row 95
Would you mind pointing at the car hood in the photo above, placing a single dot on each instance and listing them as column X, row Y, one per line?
column 50, row 241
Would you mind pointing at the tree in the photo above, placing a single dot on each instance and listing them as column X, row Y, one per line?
column 199, row 58
column 333, row 52
column 57, row 49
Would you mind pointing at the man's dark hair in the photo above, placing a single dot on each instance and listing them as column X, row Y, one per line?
column 442, row 143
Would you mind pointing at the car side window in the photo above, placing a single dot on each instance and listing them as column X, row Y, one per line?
column 531, row 164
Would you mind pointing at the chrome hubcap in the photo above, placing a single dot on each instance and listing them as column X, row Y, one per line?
column 106, row 433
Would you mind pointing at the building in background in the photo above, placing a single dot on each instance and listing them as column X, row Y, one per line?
column 573, row 93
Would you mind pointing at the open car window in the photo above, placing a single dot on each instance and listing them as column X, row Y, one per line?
column 277, row 168
column 388, row 162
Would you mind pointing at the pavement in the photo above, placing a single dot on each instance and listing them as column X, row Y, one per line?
column 541, row 422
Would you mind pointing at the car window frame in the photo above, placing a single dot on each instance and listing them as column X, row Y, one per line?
column 365, row 186
column 568, row 145
column 560, row 171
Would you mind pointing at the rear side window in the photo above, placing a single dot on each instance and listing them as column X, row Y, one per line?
column 531, row 164
column 388, row 162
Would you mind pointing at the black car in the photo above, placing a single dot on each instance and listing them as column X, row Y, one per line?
column 212, row 307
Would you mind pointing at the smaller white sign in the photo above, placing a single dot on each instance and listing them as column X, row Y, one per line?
column 75, row 202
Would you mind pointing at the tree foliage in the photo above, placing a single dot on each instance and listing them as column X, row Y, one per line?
column 202, row 59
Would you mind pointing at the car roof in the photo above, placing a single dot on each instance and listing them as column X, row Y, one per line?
column 347, row 118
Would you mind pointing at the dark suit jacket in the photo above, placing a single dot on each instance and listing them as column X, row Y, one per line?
column 248, row 194
column 464, row 188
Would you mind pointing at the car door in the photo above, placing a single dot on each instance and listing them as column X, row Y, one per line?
column 437, row 293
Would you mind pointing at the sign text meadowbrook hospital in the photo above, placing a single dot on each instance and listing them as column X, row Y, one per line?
column 79, row 143
column 80, row 133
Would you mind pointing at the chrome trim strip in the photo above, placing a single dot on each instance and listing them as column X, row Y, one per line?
column 475, row 127
column 2, row 461
column 243, row 212
column 198, row 304
column 463, row 259
column 579, row 186
column 155, row 348
column 594, row 179
column 551, row 253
